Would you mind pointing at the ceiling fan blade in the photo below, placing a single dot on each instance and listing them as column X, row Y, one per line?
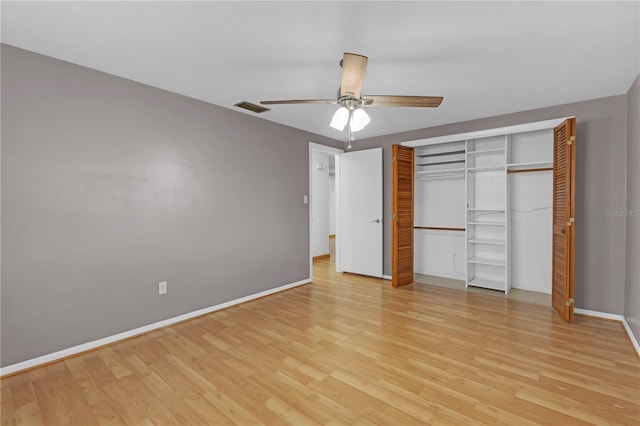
column 403, row 101
column 353, row 69
column 300, row 101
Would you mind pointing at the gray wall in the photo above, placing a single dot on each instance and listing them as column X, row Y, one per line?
column 110, row 186
column 602, row 146
column 632, row 290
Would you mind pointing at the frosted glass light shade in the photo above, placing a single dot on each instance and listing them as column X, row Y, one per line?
column 340, row 119
column 359, row 120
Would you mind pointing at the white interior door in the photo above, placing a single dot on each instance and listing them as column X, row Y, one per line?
column 360, row 212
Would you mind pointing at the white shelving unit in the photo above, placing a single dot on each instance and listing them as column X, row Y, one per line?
column 486, row 283
column 485, row 169
column 427, row 173
column 486, row 233
column 488, row 197
column 486, row 151
column 486, row 241
column 487, row 261
column 525, row 166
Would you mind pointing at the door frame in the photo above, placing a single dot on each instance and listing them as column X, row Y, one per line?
column 334, row 151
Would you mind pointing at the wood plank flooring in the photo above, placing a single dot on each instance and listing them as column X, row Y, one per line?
column 347, row 350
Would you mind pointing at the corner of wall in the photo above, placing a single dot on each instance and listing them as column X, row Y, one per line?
column 632, row 214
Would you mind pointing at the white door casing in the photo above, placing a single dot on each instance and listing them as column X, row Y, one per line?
column 314, row 147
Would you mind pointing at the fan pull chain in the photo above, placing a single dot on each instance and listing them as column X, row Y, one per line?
column 350, row 136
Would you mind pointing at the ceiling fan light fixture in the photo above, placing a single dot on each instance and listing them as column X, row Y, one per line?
column 359, row 120
column 340, row 119
column 351, row 101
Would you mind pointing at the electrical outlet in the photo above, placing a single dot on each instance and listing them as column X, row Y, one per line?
column 162, row 287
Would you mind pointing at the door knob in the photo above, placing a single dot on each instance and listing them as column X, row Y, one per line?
column 375, row 221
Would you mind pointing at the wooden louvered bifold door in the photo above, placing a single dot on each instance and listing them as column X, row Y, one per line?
column 564, row 145
column 402, row 215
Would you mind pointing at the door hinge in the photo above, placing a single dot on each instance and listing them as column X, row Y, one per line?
column 571, row 221
column 571, row 140
column 569, row 302
column 393, row 159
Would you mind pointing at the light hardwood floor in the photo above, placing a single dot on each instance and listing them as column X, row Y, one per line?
column 347, row 349
column 514, row 294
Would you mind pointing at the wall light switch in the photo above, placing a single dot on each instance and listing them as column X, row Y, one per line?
column 162, row 287
column 306, row 199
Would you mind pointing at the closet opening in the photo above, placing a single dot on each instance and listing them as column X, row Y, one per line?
column 491, row 211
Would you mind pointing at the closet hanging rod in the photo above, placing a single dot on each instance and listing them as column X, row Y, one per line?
column 439, row 229
column 543, row 169
column 441, row 162
column 438, row 154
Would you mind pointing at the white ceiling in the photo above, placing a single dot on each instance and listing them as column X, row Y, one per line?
column 485, row 58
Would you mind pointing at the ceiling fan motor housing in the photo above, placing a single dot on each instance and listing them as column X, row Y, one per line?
column 349, row 102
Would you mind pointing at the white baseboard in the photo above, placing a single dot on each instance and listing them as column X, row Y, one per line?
column 616, row 317
column 45, row 359
column 386, row 277
column 597, row 314
column 531, row 288
column 633, row 339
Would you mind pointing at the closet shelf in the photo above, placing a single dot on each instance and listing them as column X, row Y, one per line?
column 439, row 154
column 524, row 166
column 486, row 151
column 483, row 282
column 489, row 242
column 440, row 172
column 487, row 261
column 440, row 162
column 449, row 176
column 487, row 223
column 486, row 169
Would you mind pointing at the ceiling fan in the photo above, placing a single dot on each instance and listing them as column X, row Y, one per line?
column 351, row 100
